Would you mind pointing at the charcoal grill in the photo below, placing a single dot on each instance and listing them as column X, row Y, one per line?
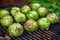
column 52, row 34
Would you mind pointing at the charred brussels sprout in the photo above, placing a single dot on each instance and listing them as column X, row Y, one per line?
column 42, row 11
column 15, row 10
column 20, row 17
column 53, row 18
column 25, row 9
column 32, row 15
column 30, row 25
column 6, row 21
column 15, row 29
column 35, row 6
column 44, row 23
column 3, row 13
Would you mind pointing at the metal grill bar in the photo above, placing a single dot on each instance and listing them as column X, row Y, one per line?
column 23, row 38
column 33, row 36
column 41, row 34
column 45, row 34
column 29, row 36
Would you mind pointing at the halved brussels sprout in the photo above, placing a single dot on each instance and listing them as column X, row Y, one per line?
column 44, row 23
column 53, row 18
column 25, row 9
column 32, row 15
column 6, row 21
column 15, row 29
column 15, row 10
column 3, row 13
column 20, row 17
column 42, row 11
column 35, row 6
column 30, row 25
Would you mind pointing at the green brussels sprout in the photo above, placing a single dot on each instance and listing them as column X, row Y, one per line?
column 32, row 15
column 15, row 29
column 44, row 23
column 53, row 18
column 25, row 9
column 30, row 25
column 15, row 10
column 6, row 21
column 35, row 6
column 3, row 13
column 42, row 11
column 20, row 17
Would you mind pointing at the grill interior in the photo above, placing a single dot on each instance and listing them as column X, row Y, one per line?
column 52, row 34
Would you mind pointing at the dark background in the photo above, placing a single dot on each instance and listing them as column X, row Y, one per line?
column 9, row 2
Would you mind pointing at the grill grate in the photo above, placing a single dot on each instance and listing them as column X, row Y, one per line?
column 52, row 34
column 38, row 35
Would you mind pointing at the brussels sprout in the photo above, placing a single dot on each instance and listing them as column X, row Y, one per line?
column 3, row 13
column 15, row 29
column 42, row 11
column 32, row 15
column 6, row 21
column 53, row 18
column 25, row 9
column 20, row 17
column 35, row 6
column 44, row 23
column 30, row 25
column 15, row 10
